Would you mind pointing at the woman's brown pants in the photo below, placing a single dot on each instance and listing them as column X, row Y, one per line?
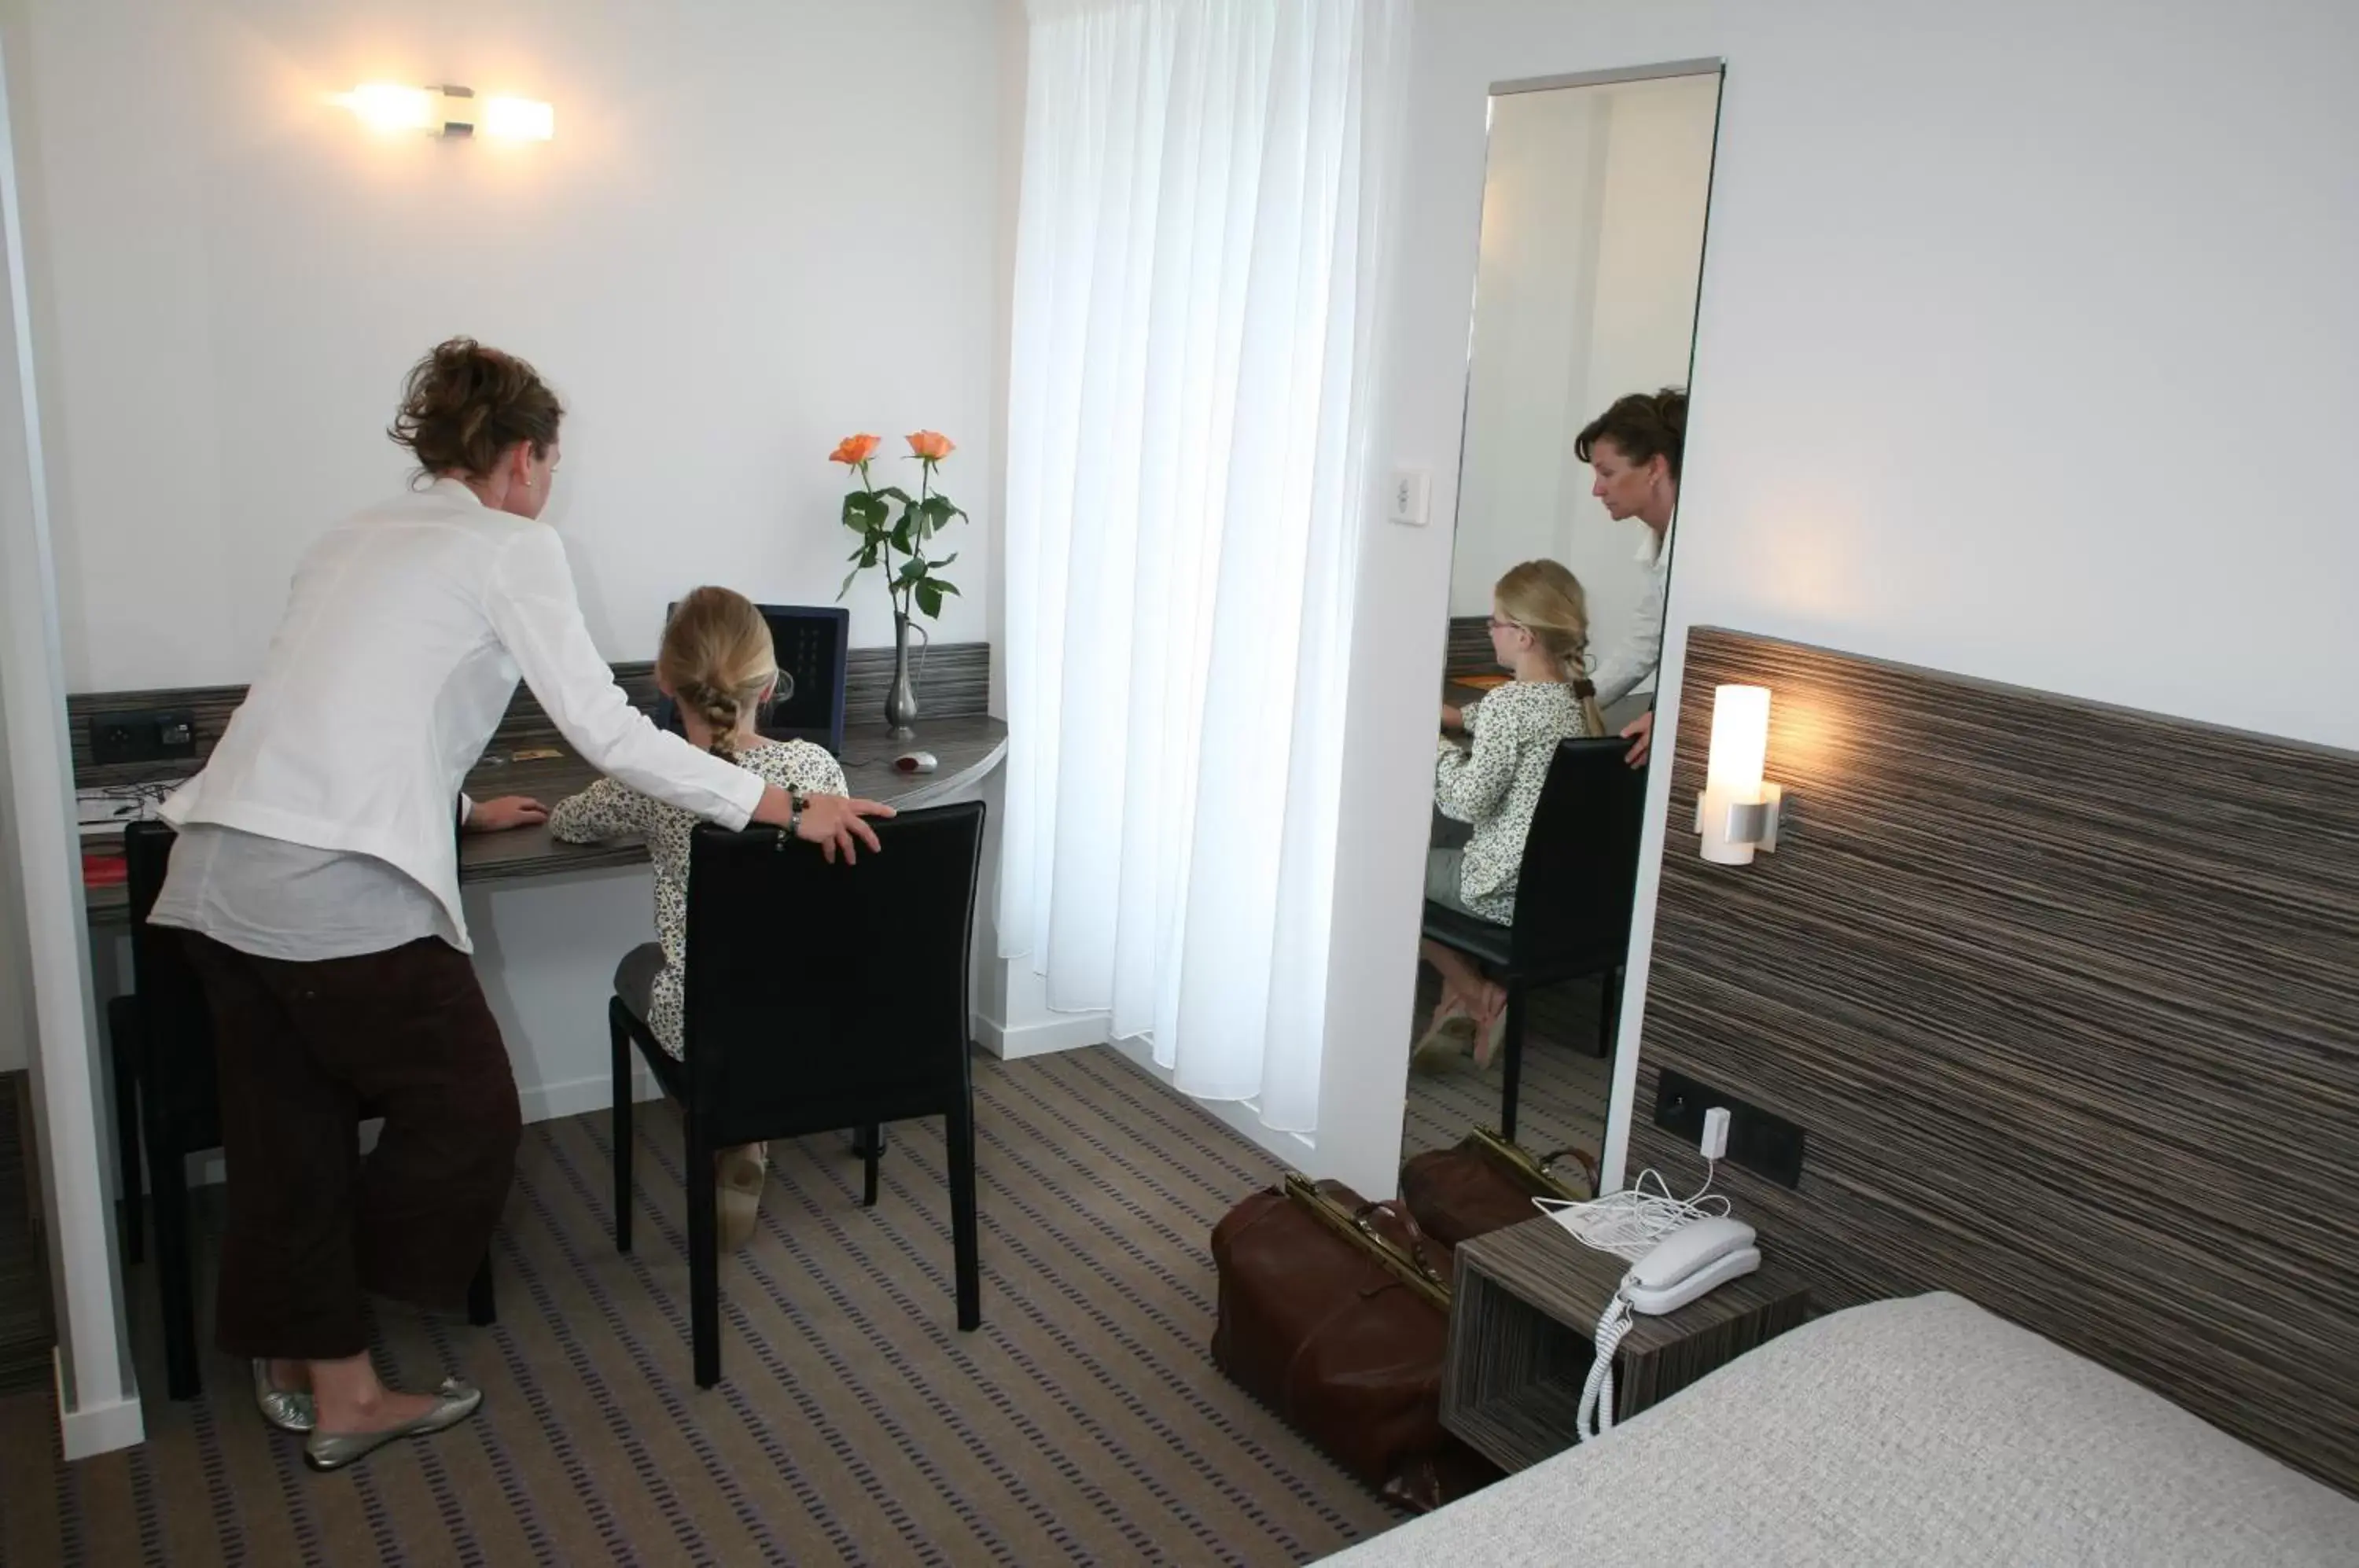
column 306, row 1050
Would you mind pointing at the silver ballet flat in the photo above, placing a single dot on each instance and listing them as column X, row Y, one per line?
column 455, row 1401
column 288, row 1409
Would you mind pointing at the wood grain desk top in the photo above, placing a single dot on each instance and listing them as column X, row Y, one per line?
column 967, row 748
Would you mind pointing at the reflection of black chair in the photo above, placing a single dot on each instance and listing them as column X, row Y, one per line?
column 1573, row 897
column 180, row 1104
column 819, row 996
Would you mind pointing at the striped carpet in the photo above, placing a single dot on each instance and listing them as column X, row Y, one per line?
column 1563, row 1100
column 1084, row 1422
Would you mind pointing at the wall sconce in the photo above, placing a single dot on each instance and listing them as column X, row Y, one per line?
column 449, row 111
column 1737, row 813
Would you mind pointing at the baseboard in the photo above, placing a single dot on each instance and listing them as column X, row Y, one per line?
column 549, row 1101
column 1067, row 1032
column 96, row 1429
column 1241, row 1116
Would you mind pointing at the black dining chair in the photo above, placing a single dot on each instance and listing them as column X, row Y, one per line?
column 179, row 1101
column 819, row 996
column 1573, row 892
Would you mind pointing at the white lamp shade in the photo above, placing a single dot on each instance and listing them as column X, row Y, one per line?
column 382, row 107
column 1740, row 741
column 1740, row 748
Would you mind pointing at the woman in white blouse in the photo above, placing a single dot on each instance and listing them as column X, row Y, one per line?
column 316, row 876
column 1633, row 449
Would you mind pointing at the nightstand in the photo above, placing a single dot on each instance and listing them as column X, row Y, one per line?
column 1523, row 1316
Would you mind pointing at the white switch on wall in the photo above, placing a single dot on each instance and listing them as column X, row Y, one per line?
column 1405, row 498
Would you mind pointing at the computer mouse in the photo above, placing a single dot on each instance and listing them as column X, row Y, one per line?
column 916, row 762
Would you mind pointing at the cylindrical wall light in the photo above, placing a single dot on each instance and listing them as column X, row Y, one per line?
column 1738, row 812
column 448, row 110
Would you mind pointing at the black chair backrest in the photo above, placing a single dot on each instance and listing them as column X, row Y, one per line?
column 181, row 1075
column 1581, row 857
column 823, row 986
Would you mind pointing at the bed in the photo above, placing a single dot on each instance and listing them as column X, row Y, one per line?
column 1918, row 1431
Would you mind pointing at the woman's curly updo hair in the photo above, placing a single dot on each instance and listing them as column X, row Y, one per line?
column 1644, row 426
column 465, row 405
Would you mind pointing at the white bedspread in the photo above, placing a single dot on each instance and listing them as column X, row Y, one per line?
column 1920, row 1432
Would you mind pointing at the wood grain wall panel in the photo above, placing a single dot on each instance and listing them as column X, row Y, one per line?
column 2064, row 997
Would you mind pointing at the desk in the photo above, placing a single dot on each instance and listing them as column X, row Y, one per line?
column 967, row 748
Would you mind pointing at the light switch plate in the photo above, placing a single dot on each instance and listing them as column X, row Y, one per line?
column 1405, row 498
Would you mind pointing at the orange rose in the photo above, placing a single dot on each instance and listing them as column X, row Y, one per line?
column 853, row 451
column 931, row 445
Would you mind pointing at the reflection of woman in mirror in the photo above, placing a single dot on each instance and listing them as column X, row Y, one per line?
column 1539, row 629
column 1634, row 449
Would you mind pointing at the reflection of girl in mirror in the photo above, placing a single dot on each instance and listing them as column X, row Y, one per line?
column 1539, row 629
column 1634, row 449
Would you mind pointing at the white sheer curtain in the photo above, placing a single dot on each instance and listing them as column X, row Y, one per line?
column 1195, row 286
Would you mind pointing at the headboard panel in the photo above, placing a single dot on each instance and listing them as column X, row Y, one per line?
column 2066, row 998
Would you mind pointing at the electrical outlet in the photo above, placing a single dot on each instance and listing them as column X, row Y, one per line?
column 162, row 735
column 1405, row 498
column 1766, row 1145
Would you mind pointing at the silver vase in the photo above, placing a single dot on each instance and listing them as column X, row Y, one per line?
column 901, row 697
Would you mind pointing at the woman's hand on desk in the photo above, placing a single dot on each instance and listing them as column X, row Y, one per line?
column 507, row 812
column 1640, row 733
column 834, row 823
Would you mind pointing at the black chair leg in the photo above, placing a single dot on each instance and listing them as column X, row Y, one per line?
column 958, row 1130
column 130, row 1214
column 871, row 1145
column 482, row 1309
column 1609, row 1009
column 704, row 1259
column 175, row 1276
column 1513, row 1045
column 620, row 1030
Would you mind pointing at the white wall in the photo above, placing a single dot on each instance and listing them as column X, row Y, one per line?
column 764, row 224
column 49, row 995
column 2026, row 350
column 15, row 955
column 1592, row 241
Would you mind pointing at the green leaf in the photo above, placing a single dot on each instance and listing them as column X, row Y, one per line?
column 929, row 597
column 914, row 572
column 938, row 565
column 848, row 578
column 945, row 587
column 894, row 492
column 901, row 540
column 939, row 507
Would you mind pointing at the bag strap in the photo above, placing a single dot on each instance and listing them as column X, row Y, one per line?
column 1400, row 1211
column 1413, row 1271
column 1587, row 1164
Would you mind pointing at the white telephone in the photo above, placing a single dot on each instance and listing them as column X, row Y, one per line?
column 1692, row 1261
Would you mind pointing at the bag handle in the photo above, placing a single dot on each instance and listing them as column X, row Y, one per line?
column 1399, row 1210
column 1587, row 1164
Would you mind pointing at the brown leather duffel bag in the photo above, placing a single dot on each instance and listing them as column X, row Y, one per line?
column 1333, row 1313
column 1488, row 1183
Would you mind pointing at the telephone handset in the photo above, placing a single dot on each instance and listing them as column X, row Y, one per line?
column 1692, row 1261
column 1698, row 1257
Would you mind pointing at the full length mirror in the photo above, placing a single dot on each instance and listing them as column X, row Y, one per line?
column 1593, row 207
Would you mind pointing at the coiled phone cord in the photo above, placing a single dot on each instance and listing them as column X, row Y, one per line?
column 1596, row 1413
